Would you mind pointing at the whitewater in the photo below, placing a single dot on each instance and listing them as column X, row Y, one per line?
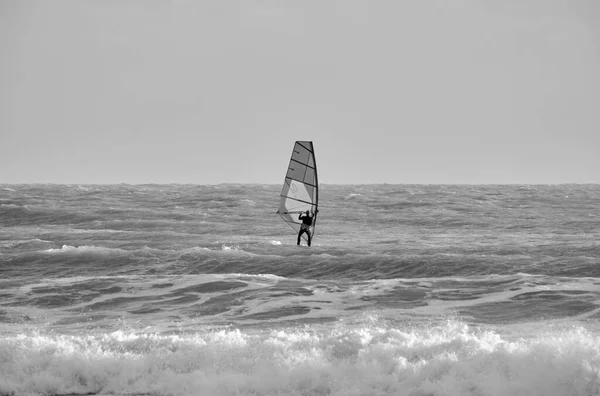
column 201, row 290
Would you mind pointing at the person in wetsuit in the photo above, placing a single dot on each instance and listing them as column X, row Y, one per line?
column 307, row 220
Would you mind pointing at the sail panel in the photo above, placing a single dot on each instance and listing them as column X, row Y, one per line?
column 302, row 153
column 310, row 177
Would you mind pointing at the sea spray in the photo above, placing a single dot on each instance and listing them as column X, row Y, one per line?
column 449, row 359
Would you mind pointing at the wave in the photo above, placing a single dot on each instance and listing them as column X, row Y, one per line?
column 24, row 243
column 85, row 249
column 447, row 359
column 268, row 298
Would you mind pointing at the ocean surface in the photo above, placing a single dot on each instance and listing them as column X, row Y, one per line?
column 201, row 290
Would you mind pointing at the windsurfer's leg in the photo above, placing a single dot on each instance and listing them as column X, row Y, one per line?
column 302, row 231
column 309, row 237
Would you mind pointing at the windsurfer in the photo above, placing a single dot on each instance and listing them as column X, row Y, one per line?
column 307, row 220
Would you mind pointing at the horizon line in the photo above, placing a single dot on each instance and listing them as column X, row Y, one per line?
column 321, row 184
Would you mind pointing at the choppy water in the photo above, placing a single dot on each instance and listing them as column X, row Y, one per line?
column 201, row 290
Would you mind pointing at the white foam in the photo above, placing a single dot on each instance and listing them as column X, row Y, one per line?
column 14, row 206
column 84, row 249
column 450, row 359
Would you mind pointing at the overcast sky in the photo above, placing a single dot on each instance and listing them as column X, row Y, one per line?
column 217, row 91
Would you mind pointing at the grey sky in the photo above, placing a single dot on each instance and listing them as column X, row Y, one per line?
column 504, row 91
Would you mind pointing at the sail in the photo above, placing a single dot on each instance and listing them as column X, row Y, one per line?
column 300, row 189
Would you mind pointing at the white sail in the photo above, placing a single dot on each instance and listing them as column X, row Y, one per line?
column 301, row 188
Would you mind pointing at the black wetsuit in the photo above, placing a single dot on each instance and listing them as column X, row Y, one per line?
column 305, row 226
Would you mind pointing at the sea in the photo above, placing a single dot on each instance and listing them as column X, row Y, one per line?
column 417, row 290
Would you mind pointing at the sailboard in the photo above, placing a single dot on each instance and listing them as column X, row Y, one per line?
column 300, row 190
